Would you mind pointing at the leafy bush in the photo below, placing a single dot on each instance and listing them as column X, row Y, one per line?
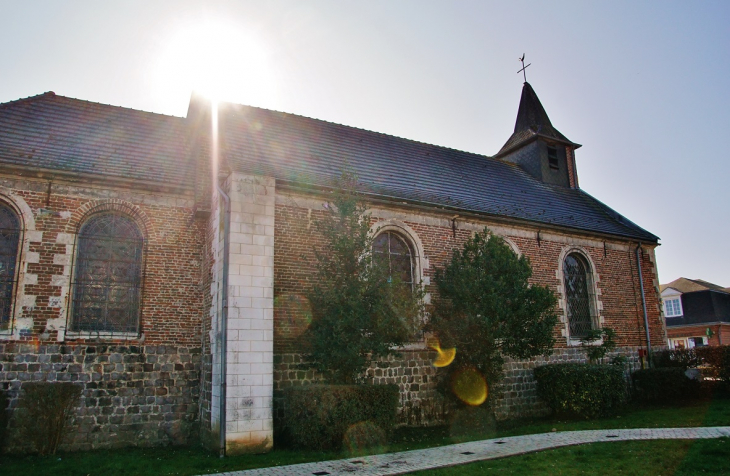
column 718, row 359
column 594, row 351
column 678, row 358
column 664, row 385
column 487, row 308
column 44, row 409
column 359, row 311
column 581, row 390
column 319, row 416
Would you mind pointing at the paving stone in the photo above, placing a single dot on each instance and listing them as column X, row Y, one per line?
column 418, row 460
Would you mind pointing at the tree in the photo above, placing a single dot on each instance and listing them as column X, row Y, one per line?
column 359, row 312
column 487, row 309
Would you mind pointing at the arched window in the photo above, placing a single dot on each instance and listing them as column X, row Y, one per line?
column 393, row 250
column 108, row 275
column 9, row 240
column 578, row 294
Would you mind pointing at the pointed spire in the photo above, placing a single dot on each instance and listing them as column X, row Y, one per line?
column 532, row 121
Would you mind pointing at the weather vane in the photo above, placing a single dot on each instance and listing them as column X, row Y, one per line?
column 523, row 67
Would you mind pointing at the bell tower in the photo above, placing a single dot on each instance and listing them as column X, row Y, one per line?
column 539, row 148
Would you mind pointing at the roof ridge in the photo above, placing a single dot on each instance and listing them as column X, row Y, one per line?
column 95, row 103
column 49, row 94
column 385, row 134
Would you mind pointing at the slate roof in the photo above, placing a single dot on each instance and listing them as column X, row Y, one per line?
column 59, row 133
column 313, row 152
column 54, row 132
column 532, row 122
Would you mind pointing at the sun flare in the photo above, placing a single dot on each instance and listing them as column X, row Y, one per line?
column 220, row 60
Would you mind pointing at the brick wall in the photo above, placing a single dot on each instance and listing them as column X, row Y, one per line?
column 138, row 389
column 720, row 333
column 617, row 297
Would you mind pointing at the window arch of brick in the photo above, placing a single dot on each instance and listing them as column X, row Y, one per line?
column 11, row 240
column 108, row 274
column 579, row 294
column 90, row 208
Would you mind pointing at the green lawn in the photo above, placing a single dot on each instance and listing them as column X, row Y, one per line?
column 638, row 458
column 684, row 456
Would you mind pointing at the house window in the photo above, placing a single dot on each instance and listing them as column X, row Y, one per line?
column 393, row 250
column 673, row 307
column 697, row 342
column 578, row 295
column 9, row 240
column 108, row 275
column 552, row 157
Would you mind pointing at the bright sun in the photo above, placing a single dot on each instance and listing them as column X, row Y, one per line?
column 219, row 60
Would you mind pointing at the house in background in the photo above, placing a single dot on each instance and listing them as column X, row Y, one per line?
column 697, row 313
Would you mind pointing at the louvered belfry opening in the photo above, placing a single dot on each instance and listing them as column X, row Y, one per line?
column 579, row 295
column 9, row 242
column 108, row 277
column 393, row 250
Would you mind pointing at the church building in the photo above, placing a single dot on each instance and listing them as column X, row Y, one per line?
column 162, row 262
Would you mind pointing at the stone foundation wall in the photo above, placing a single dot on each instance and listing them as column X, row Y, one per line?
column 420, row 402
column 516, row 395
column 412, row 372
column 132, row 395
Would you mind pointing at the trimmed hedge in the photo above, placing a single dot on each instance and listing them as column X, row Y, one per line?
column 676, row 358
column 664, row 384
column 581, row 390
column 718, row 359
column 319, row 416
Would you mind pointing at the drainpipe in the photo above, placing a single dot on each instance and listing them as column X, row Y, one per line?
column 643, row 304
column 224, row 318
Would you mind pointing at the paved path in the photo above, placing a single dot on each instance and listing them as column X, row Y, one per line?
column 451, row 455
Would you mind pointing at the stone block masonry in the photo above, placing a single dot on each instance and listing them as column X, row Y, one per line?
column 250, row 330
column 139, row 388
column 132, row 395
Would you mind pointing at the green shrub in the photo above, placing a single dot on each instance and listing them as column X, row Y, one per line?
column 319, row 416
column 581, row 390
column 44, row 409
column 717, row 359
column 487, row 309
column 664, row 385
column 360, row 311
column 677, row 358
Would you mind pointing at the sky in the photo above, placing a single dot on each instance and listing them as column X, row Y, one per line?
column 642, row 85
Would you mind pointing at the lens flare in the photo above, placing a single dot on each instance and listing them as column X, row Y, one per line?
column 445, row 356
column 293, row 314
column 364, row 437
column 469, row 386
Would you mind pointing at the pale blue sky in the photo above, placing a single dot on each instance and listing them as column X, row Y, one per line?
column 642, row 85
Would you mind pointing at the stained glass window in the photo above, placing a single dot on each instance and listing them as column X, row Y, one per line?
column 394, row 250
column 578, row 293
column 9, row 239
column 108, row 275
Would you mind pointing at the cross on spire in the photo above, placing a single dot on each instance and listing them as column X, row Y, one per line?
column 523, row 67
